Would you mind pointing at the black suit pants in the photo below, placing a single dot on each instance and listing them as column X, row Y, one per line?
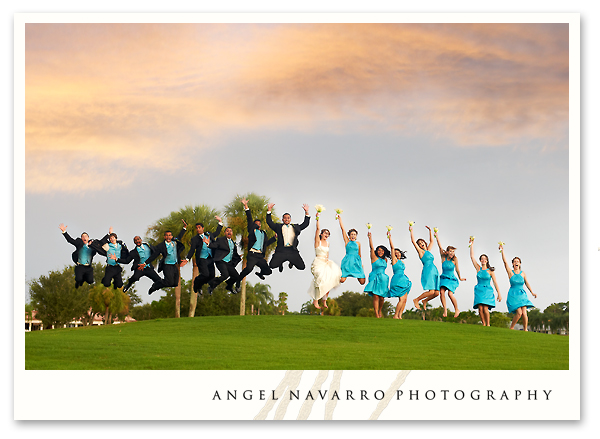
column 113, row 273
column 256, row 259
column 206, row 272
column 148, row 271
column 289, row 254
column 170, row 278
column 228, row 272
column 83, row 273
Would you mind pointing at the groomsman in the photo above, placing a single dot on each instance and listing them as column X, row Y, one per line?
column 140, row 255
column 82, row 256
column 115, row 251
column 257, row 246
column 287, row 239
column 170, row 249
column 226, row 258
column 204, row 259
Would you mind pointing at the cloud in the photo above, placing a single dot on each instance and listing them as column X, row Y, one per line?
column 129, row 95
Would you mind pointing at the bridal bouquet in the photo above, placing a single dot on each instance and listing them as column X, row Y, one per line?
column 338, row 212
column 369, row 225
column 320, row 209
column 471, row 239
column 435, row 230
column 500, row 244
column 389, row 229
column 411, row 223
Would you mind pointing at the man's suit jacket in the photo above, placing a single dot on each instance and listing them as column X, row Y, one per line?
column 220, row 248
column 278, row 226
column 78, row 243
column 252, row 236
column 100, row 245
column 161, row 249
column 135, row 257
column 197, row 243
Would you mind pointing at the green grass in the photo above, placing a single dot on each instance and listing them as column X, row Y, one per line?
column 293, row 342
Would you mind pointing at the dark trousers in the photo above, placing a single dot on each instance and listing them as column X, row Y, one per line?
column 289, row 254
column 112, row 273
column 148, row 271
column 256, row 259
column 170, row 278
column 228, row 271
column 83, row 273
column 206, row 272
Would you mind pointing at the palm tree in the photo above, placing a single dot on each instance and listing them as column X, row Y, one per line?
column 191, row 215
column 261, row 297
column 236, row 219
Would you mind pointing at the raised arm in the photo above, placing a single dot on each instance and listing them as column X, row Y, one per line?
column 63, row 229
column 306, row 221
column 412, row 238
column 394, row 259
column 317, row 239
column 430, row 238
column 270, row 222
column 249, row 221
column 373, row 255
column 508, row 269
column 527, row 285
column 344, row 235
column 472, row 253
column 495, row 285
column 437, row 238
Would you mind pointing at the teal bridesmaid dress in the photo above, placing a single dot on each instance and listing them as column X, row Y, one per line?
column 430, row 279
column 517, row 297
column 447, row 278
column 378, row 281
column 484, row 293
column 352, row 264
column 400, row 284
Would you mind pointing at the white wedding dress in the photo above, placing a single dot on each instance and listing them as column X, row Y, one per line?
column 326, row 274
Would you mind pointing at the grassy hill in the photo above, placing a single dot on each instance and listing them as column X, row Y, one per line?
column 293, row 342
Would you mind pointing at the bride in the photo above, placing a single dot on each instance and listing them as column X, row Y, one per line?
column 327, row 274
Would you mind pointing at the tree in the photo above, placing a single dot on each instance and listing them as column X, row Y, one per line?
column 191, row 215
column 110, row 301
column 56, row 299
column 236, row 219
column 499, row 319
column 260, row 296
column 281, row 304
column 557, row 316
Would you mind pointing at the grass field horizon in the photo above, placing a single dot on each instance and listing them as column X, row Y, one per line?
column 295, row 343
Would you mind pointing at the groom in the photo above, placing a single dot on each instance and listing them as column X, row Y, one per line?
column 287, row 239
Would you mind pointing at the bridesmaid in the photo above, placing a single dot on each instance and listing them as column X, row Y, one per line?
column 430, row 279
column 378, row 280
column 484, row 295
column 517, row 301
column 352, row 262
column 400, row 284
column 448, row 281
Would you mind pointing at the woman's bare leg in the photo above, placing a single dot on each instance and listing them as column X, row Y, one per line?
column 316, row 304
column 525, row 318
column 342, row 280
column 361, row 281
column 454, row 303
column 376, row 304
column 443, row 299
column 516, row 318
column 481, row 317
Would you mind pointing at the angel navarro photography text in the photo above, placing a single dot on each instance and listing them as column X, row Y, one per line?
column 404, row 395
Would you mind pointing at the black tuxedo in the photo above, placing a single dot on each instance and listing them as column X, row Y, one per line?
column 206, row 266
column 170, row 271
column 148, row 270
column 112, row 273
column 283, row 253
column 256, row 258
column 220, row 248
column 83, row 273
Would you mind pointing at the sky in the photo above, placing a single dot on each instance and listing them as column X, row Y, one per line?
column 463, row 127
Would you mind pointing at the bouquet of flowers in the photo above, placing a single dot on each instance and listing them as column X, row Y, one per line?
column 338, row 212
column 435, row 230
column 369, row 225
column 500, row 244
column 389, row 230
column 320, row 209
column 411, row 223
column 471, row 239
